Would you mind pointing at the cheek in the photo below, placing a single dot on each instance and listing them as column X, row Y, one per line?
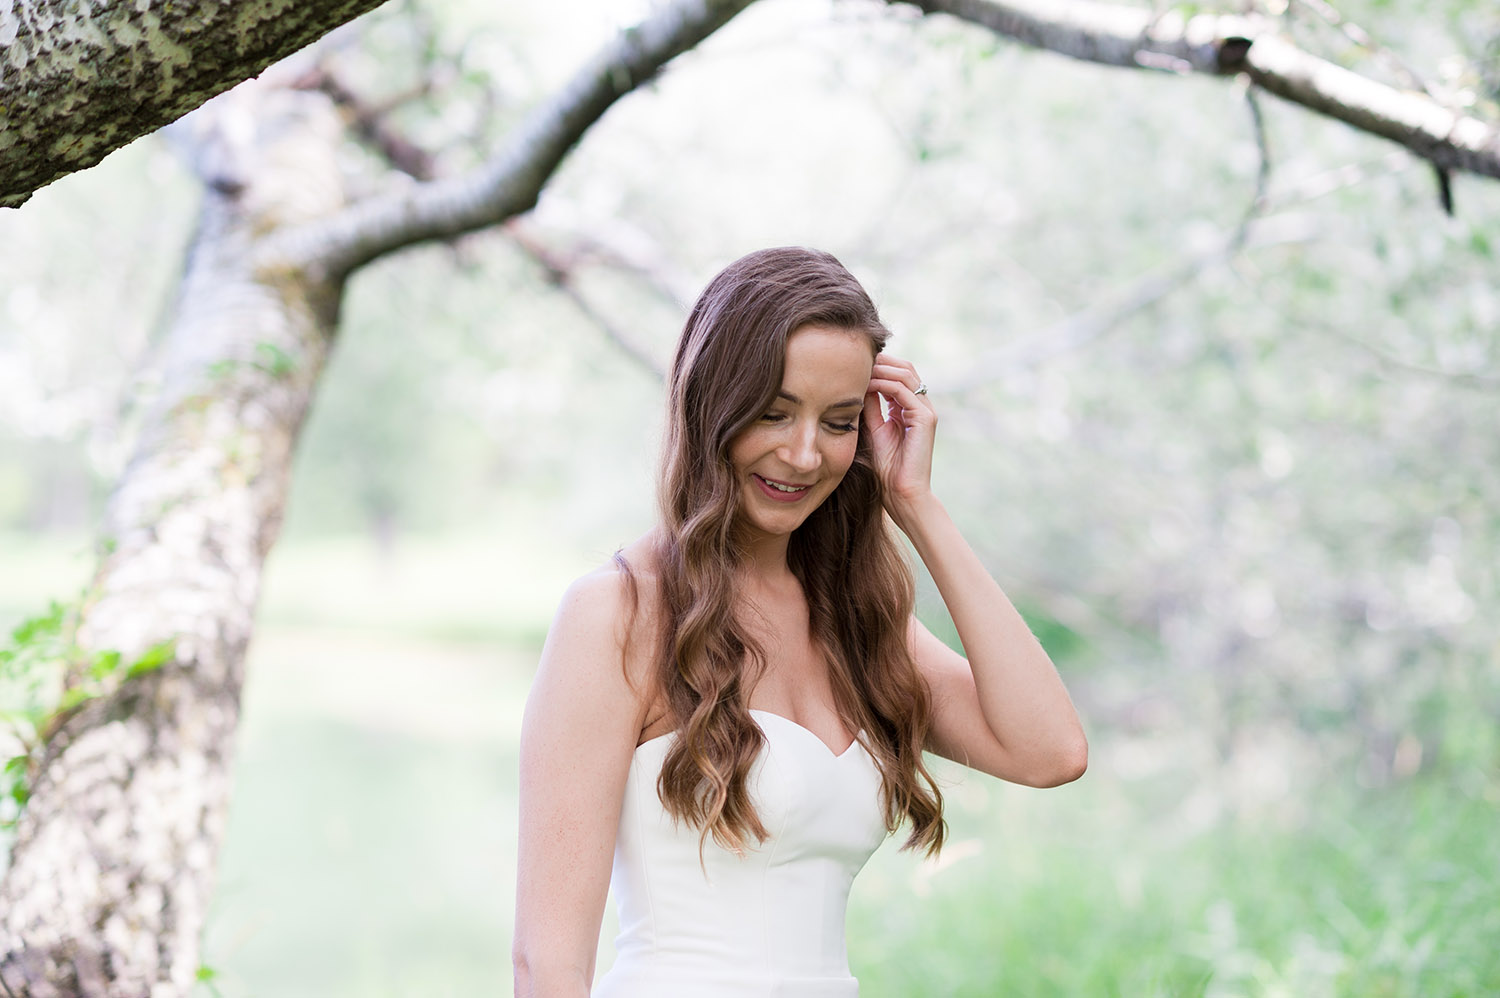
column 741, row 449
column 842, row 455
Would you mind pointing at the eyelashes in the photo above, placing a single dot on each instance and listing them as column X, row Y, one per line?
column 776, row 417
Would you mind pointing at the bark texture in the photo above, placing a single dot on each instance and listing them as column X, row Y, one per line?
column 79, row 79
column 1218, row 44
column 112, row 866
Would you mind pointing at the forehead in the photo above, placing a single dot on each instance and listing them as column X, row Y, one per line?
column 827, row 361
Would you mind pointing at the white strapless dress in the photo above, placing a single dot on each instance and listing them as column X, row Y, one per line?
column 766, row 925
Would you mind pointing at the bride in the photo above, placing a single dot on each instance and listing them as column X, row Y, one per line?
column 730, row 717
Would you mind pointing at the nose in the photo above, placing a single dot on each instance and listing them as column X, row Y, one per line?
column 800, row 449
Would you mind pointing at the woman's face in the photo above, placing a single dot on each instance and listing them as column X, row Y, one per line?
column 791, row 458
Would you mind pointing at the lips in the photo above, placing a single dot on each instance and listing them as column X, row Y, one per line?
column 788, row 491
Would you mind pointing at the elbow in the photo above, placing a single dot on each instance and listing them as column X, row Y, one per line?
column 523, row 985
column 1070, row 763
column 537, row 975
column 525, row 976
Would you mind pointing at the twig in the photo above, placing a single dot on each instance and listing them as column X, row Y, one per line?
column 559, row 274
column 1464, row 379
column 623, row 247
column 1257, row 204
column 371, row 123
column 1095, row 321
column 1341, row 178
column 1360, row 37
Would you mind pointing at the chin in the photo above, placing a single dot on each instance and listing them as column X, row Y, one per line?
column 777, row 522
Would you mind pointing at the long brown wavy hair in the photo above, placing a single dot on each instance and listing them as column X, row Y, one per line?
column 726, row 372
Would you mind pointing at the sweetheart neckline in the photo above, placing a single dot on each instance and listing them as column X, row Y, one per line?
column 771, row 713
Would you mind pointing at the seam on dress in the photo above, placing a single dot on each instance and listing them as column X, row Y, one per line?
column 636, row 807
column 772, row 758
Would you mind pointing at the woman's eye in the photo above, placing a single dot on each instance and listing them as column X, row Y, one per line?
column 770, row 417
column 844, row 427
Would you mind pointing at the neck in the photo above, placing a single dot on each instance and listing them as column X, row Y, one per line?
column 765, row 560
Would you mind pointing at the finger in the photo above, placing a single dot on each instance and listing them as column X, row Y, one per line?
column 902, row 395
column 873, row 417
column 906, row 374
column 891, row 366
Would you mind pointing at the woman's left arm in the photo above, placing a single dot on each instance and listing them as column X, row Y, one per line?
column 1004, row 709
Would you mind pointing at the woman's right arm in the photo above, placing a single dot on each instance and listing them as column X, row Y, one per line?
column 581, row 725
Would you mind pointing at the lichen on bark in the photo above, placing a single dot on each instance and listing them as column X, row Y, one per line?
column 80, row 79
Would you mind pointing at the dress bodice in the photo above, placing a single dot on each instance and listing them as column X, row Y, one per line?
column 769, row 924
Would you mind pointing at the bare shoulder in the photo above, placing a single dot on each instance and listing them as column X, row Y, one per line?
column 600, row 642
column 582, row 723
column 635, row 565
column 597, row 604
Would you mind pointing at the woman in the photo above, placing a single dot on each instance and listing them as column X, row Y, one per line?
column 728, row 719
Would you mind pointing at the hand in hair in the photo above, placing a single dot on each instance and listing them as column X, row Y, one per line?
column 1003, row 708
column 902, row 439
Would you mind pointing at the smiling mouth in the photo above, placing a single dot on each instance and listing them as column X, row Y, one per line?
column 780, row 489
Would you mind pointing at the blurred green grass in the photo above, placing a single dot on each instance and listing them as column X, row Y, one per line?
column 371, row 841
column 1090, row 890
column 370, row 846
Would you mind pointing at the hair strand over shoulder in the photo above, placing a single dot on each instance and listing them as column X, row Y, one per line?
column 859, row 589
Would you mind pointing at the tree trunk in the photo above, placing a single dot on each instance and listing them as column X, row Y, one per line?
column 113, row 863
column 111, row 871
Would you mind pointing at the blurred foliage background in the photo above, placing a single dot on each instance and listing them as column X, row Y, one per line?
column 1242, row 478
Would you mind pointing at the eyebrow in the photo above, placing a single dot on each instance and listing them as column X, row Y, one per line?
column 846, row 404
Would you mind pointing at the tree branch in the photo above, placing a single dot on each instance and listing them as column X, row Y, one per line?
column 1481, row 381
column 78, row 81
column 1448, row 138
column 1113, row 308
column 1101, row 317
column 370, row 123
column 511, row 181
column 1222, row 45
column 1107, row 33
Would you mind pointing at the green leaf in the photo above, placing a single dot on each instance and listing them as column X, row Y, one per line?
column 49, row 623
column 75, row 696
column 153, row 658
column 105, row 662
